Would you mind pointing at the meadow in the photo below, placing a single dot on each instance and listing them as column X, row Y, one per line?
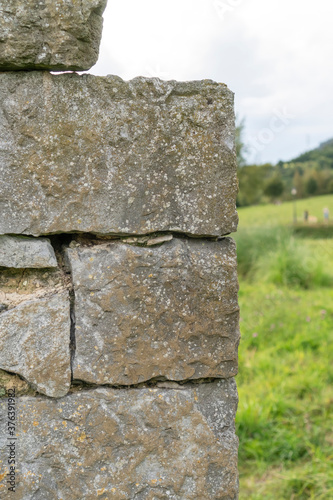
column 285, row 415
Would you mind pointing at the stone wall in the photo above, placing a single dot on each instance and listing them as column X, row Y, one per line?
column 119, row 320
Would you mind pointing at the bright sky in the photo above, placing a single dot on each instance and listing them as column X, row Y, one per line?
column 276, row 55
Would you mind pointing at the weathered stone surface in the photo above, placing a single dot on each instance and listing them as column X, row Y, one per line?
column 50, row 34
column 9, row 381
column 100, row 155
column 169, row 311
column 21, row 285
column 35, row 329
column 21, row 252
column 128, row 444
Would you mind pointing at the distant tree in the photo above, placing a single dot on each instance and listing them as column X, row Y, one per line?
column 251, row 183
column 311, row 185
column 311, row 174
column 274, row 188
column 324, row 178
column 240, row 145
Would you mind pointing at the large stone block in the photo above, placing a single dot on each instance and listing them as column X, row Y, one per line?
column 136, row 444
column 22, row 252
column 50, row 34
column 100, row 155
column 170, row 311
column 35, row 329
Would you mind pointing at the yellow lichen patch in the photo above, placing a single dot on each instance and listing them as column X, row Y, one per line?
column 82, row 437
column 2, row 476
column 100, row 492
column 29, row 473
column 64, row 423
column 35, row 423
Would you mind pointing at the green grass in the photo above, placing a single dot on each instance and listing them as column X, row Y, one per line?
column 285, row 381
column 315, row 231
column 281, row 215
column 275, row 255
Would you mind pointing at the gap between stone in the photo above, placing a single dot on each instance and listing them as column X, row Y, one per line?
column 59, row 243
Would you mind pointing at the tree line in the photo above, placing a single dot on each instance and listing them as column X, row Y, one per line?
column 310, row 174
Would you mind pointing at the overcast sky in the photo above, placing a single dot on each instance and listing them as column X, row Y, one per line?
column 276, row 55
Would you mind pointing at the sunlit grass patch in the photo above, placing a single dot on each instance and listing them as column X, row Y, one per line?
column 276, row 256
column 285, row 414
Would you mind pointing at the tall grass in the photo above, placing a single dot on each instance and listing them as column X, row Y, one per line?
column 285, row 381
column 274, row 255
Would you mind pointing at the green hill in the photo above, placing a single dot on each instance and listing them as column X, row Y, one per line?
column 322, row 155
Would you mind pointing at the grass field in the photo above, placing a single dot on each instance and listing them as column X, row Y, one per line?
column 285, row 381
column 277, row 215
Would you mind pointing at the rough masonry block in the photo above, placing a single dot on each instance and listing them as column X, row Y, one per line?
column 50, row 34
column 35, row 329
column 100, row 155
column 170, row 311
column 23, row 252
column 155, row 443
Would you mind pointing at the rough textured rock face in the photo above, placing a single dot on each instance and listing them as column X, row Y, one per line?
column 21, row 252
column 100, row 155
column 35, row 329
column 50, row 34
column 21, row 285
column 10, row 381
column 141, row 312
column 142, row 444
column 34, row 342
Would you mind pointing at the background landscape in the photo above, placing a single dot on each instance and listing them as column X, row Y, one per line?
column 285, row 381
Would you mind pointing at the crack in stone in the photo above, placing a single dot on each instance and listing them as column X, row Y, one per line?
column 123, row 236
column 157, row 382
column 60, row 242
column 72, row 341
